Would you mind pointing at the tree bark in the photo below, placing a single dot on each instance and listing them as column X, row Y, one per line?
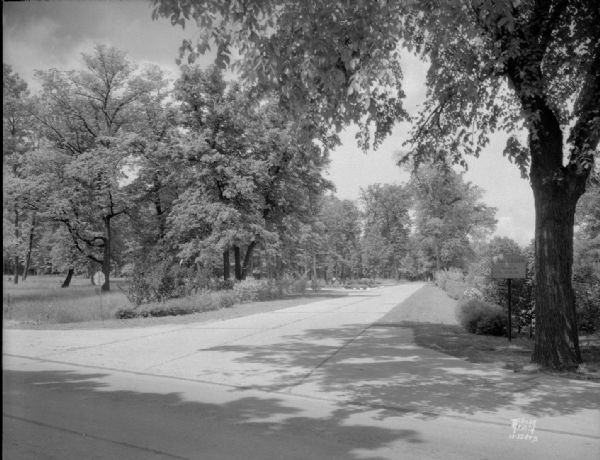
column 158, row 207
column 106, row 256
column 556, row 191
column 16, row 259
column 248, row 259
column 238, row 263
column 67, row 281
column 29, row 247
column 226, row 266
column 556, row 334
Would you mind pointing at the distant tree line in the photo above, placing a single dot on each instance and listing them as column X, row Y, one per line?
column 114, row 168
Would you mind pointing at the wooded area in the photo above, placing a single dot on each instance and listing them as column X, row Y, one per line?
column 207, row 179
column 508, row 65
column 114, row 168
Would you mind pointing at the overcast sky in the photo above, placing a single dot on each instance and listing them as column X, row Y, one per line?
column 43, row 35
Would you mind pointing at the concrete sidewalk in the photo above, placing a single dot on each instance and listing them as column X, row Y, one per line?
column 333, row 351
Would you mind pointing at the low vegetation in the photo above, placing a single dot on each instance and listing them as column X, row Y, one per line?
column 40, row 300
column 481, row 317
column 473, row 282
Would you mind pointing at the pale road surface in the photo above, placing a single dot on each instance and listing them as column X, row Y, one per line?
column 327, row 380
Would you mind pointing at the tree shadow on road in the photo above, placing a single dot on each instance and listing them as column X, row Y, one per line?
column 180, row 425
column 383, row 368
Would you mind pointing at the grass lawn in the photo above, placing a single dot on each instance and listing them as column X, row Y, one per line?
column 452, row 339
column 41, row 300
column 40, row 303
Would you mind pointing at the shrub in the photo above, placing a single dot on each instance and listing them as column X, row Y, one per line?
column 442, row 277
column 473, row 293
column 220, row 284
column 205, row 301
column 250, row 290
column 156, row 278
column 298, row 286
column 169, row 310
column 221, row 299
column 523, row 311
column 480, row 317
column 127, row 313
column 588, row 306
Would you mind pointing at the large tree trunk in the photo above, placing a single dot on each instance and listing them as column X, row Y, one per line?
column 106, row 256
column 67, row 281
column 29, row 247
column 16, row 259
column 226, row 266
column 248, row 259
column 556, row 334
column 158, row 207
column 238, row 263
column 556, row 191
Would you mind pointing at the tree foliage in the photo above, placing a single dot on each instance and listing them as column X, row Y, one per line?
column 387, row 227
column 449, row 216
column 494, row 65
column 86, row 117
column 249, row 176
column 19, row 139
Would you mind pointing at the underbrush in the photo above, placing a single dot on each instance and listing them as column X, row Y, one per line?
column 249, row 290
column 202, row 302
column 452, row 281
column 362, row 283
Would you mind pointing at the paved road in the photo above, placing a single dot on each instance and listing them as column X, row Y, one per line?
column 323, row 380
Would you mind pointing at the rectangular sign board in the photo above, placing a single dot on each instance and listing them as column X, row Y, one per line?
column 509, row 267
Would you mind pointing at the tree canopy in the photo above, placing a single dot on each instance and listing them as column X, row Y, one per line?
column 494, row 65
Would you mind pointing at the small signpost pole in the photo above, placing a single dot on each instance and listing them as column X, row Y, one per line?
column 509, row 268
column 99, row 281
column 509, row 312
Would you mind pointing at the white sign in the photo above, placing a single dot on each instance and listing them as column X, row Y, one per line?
column 509, row 267
column 99, row 278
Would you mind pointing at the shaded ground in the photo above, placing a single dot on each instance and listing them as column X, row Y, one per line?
column 450, row 338
column 56, row 423
column 341, row 378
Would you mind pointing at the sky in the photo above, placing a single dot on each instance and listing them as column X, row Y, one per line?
column 53, row 34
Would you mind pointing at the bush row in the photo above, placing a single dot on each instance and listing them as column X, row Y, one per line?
column 249, row 290
column 205, row 301
column 482, row 298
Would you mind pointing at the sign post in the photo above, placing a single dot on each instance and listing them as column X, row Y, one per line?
column 99, row 279
column 509, row 268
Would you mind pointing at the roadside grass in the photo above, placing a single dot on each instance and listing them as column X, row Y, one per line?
column 453, row 340
column 40, row 299
column 514, row 355
column 40, row 303
column 236, row 311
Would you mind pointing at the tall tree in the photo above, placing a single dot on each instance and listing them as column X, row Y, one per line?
column 449, row 215
column 386, row 228
column 86, row 116
column 247, row 173
column 527, row 64
column 19, row 138
column 341, row 223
